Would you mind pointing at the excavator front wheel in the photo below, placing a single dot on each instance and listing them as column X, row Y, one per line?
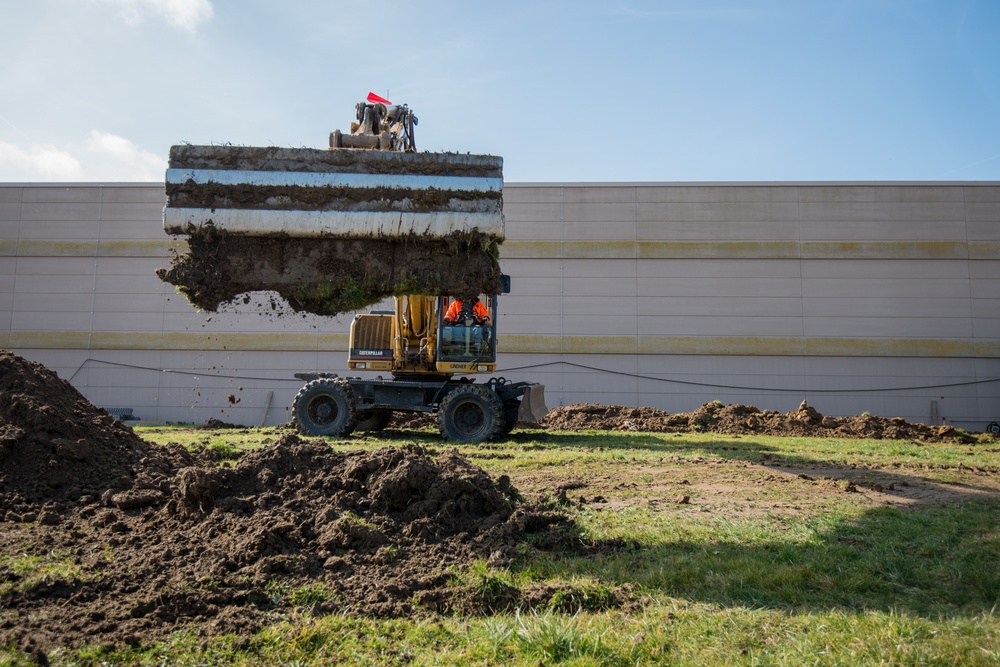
column 470, row 413
column 326, row 407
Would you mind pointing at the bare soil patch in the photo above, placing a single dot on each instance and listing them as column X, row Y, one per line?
column 151, row 539
column 740, row 419
column 143, row 539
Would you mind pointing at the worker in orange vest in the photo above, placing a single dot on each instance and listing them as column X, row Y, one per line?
column 477, row 311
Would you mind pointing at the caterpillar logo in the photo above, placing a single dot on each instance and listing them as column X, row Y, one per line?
column 368, row 353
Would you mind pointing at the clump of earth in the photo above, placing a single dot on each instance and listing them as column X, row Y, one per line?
column 144, row 540
column 327, row 275
column 741, row 419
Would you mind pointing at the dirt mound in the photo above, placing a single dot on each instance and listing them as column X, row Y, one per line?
column 289, row 526
column 327, row 276
column 56, row 446
column 129, row 541
column 745, row 419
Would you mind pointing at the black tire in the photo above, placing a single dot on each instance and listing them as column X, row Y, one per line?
column 510, row 409
column 373, row 420
column 326, row 407
column 505, row 429
column 470, row 413
column 993, row 428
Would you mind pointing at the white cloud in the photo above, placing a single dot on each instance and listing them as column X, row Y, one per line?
column 38, row 163
column 102, row 157
column 184, row 14
column 125, row 160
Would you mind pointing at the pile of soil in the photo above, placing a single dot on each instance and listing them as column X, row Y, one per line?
column 56, row 447
column 144, row 540
column 740, row 419
column 327, row 276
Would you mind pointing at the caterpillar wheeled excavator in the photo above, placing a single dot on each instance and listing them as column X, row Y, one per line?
column 429, row 358
column 369, row 187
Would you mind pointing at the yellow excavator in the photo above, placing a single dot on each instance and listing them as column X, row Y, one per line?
column 370, row 189
column 429, row 357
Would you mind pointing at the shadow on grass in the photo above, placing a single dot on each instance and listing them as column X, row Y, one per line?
column 938, row 560
column 750, row 450
column 738, row 449
column 938, row 556
column 533, row 439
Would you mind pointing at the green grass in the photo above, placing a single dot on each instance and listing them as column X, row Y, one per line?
column 791, row 571
column 22, row 572
column 672, row 632
column 938, row 560
column 221, row 444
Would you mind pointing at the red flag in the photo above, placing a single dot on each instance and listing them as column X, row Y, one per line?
column 375, row 99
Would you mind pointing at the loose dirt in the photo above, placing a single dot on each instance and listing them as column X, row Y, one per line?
column 143, row 539
column 108, row 539
column 745, row 419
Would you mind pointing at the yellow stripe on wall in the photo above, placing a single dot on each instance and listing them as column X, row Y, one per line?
column 521, row 344
column 987, row 250
column 94, row 248
column 145, row 340
column 746, row 250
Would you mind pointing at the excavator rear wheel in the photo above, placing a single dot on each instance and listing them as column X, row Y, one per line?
column 326, row 407
column 508, row 424
column 470, row 413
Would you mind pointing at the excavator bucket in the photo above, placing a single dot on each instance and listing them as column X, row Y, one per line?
column 533, row 408
column 334, row 230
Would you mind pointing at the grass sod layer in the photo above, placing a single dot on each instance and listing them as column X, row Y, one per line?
column 740, row 550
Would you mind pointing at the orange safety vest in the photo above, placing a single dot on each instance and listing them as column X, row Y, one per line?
column 479, row 312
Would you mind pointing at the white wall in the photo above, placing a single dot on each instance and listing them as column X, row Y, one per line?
column 878, row 297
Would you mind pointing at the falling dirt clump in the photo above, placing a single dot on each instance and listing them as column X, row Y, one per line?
column 738, row 419
column 327, row 276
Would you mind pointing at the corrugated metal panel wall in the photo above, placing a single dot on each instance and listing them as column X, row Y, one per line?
column 878, row 297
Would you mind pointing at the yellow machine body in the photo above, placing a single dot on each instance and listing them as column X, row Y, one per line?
column 414, row 340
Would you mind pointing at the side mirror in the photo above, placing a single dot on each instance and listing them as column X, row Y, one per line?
column 504, row 283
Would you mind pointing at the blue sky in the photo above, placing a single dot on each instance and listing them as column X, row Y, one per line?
column 621, row 90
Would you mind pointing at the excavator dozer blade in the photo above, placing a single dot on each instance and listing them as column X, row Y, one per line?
column 348, row 194
column 533, row 408
column 332, row 230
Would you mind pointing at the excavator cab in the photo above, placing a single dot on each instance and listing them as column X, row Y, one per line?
column 468, row 336
column 427, row 335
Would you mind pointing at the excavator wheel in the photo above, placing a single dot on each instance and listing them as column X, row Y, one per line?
column 374, row 420
column 505, row 429
column 326, row 407
column 470, row 413
column 508, row 424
